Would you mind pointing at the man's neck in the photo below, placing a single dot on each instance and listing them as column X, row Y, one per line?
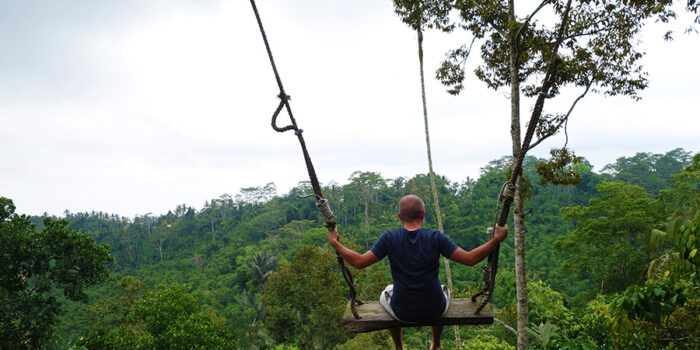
column 413, row 225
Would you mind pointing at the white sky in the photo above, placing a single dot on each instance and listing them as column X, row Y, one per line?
column 132, row 107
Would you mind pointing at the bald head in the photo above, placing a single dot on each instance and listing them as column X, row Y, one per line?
column 411, row 208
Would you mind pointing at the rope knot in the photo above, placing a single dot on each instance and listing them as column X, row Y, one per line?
column 284, row 97
column 324, row 208
column 322, row 204
column 298, row 132
column 508, row 190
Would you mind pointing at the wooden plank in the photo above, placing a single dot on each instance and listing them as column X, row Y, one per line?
column 374, row 317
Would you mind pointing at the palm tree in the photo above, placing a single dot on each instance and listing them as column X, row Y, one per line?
column 261, row 265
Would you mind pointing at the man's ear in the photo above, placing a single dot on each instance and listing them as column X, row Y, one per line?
column 422, row 215
column 400, row 218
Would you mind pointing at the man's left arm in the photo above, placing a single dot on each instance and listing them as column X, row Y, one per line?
column 359, row 261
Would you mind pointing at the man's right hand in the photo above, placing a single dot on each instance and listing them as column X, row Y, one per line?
column 501, row 233
column 332, row 235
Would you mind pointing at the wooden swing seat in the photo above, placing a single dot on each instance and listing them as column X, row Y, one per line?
column 374, row 317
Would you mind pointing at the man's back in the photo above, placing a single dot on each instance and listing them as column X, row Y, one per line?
column 414, row 258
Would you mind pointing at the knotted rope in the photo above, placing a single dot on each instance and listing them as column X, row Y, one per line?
column 488, row 274
column 321, row 202
column 508, row 189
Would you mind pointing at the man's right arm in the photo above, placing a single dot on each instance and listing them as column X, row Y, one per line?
column 357, row 260
column 477, row 254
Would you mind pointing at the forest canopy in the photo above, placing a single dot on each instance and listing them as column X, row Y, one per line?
column 612, row 263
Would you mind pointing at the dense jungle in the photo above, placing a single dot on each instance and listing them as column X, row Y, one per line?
column 612, row 264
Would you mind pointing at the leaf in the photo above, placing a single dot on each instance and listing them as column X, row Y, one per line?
column 693, row 252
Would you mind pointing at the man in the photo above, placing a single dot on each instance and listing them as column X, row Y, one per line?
column 414, row 256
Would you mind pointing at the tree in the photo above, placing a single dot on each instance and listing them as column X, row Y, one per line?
column 148, row 221
column 365, row 186
column 257, row 195
column 664, row 309
column 208, row 215
column 304, row 300
column 161, row 233
column 126, row 237
column 583, row 44
column 487, row 342
column 261, row 265
column 651, row 171
column 686, row 186
column 33, row 264
column 163, row 318
column 296, row 229
column 611, row 245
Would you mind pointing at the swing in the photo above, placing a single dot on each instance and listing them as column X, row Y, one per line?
column 361, row 316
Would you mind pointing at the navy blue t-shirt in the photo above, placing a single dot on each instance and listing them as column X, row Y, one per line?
column 414, row 257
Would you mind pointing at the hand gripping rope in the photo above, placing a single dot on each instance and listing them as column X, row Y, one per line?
column 321, row 202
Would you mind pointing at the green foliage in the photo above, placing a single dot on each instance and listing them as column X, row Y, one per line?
column 596, row 43
column 593, row 324
column 164, row 318
column 611, row 245
column 285, row 347
column 486, row 342
column 373, row 340
column 664, row 311
column 255, row 230
column 261, row 264
column 560, row 169
column 651, row 171
column 547, row 305
column 33, row 265
column 543, row 333
column 304, row 300
column 547, row 308
column 424, row 14
column 659, row 313
column 655, row 300
column 683, row 195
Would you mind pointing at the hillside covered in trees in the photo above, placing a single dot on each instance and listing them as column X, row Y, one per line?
column 612, row 263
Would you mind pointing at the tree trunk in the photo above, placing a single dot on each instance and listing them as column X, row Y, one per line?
column 518, row 218
column 520, row 267
column 436, row 201
column 367, row 218
column 213, row 234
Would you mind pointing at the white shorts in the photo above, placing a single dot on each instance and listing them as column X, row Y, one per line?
column 385, row 300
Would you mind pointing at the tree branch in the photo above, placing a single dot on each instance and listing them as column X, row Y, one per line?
column 566, row 117
column 599, row 30
column 527, row 20
column 554, row 61
column 489, row 20
column 469, row 51
column 506, row 326
column 495, row 27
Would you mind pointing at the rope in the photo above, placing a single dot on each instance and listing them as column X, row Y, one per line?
column 323, row 206
column 508, row 189
column 322, row 203
column 325, row 209
column 436, row 202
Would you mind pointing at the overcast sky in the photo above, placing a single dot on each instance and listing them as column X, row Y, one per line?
column 131, row 107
